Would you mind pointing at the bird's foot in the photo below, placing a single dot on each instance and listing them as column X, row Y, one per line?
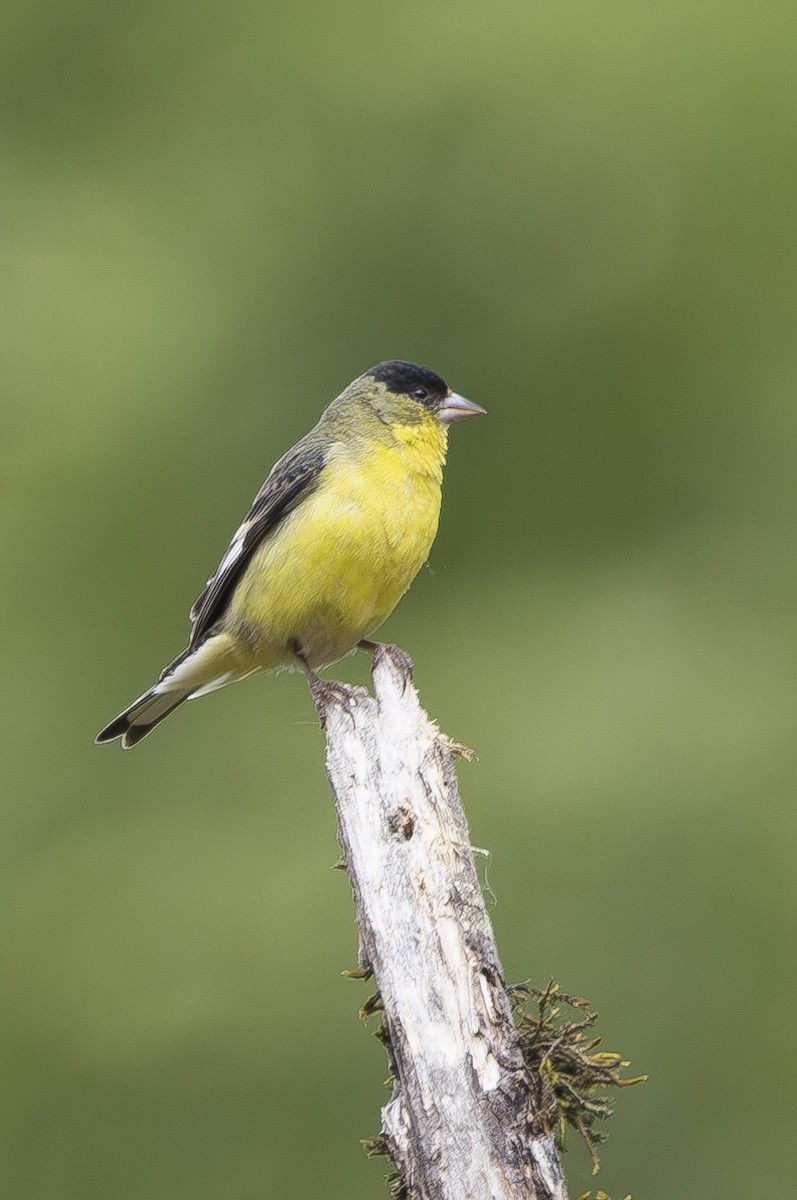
column 326, row 692
column 329, row 694
column 398, row 657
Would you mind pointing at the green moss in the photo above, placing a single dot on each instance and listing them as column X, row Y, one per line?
column 372, row 1005
column 358, row 973
column 598, row 1196
column 566, row 1068
column 567, row 1071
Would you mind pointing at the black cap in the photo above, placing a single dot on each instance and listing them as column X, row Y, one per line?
column 405, row 378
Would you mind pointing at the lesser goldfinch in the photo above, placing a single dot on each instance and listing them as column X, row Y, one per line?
column 332, row 541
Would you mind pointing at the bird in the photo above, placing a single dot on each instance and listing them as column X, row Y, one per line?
column 330, row 544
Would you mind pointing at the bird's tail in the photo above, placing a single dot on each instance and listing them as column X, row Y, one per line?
column 198, row 670
column 142, row 716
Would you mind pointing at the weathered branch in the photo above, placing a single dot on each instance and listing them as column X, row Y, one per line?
column 462, row 1121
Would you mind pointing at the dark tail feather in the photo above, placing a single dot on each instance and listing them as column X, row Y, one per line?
column 141, row 717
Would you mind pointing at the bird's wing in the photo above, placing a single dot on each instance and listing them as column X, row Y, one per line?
column 290, row 480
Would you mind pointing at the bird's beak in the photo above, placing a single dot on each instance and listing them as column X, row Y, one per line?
column 456, row 408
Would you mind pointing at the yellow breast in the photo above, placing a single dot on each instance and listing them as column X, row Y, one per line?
column 338, row 565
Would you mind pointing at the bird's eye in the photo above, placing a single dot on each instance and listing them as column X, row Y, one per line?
column 420, row 393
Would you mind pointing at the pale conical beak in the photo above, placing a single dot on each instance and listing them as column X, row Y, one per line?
column 456, row 408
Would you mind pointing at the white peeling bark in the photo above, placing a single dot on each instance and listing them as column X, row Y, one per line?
column 460, row 1122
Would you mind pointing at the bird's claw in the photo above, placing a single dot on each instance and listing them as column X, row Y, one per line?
column 398, row 657
column 327, row 693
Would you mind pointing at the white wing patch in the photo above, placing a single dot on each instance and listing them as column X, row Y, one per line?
column 231, row 556
column 235, row 549
column 288, row 480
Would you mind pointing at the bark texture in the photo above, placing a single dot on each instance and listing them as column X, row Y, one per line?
column 461, row 1121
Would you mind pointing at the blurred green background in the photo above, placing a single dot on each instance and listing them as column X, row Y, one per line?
column 213, row 217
